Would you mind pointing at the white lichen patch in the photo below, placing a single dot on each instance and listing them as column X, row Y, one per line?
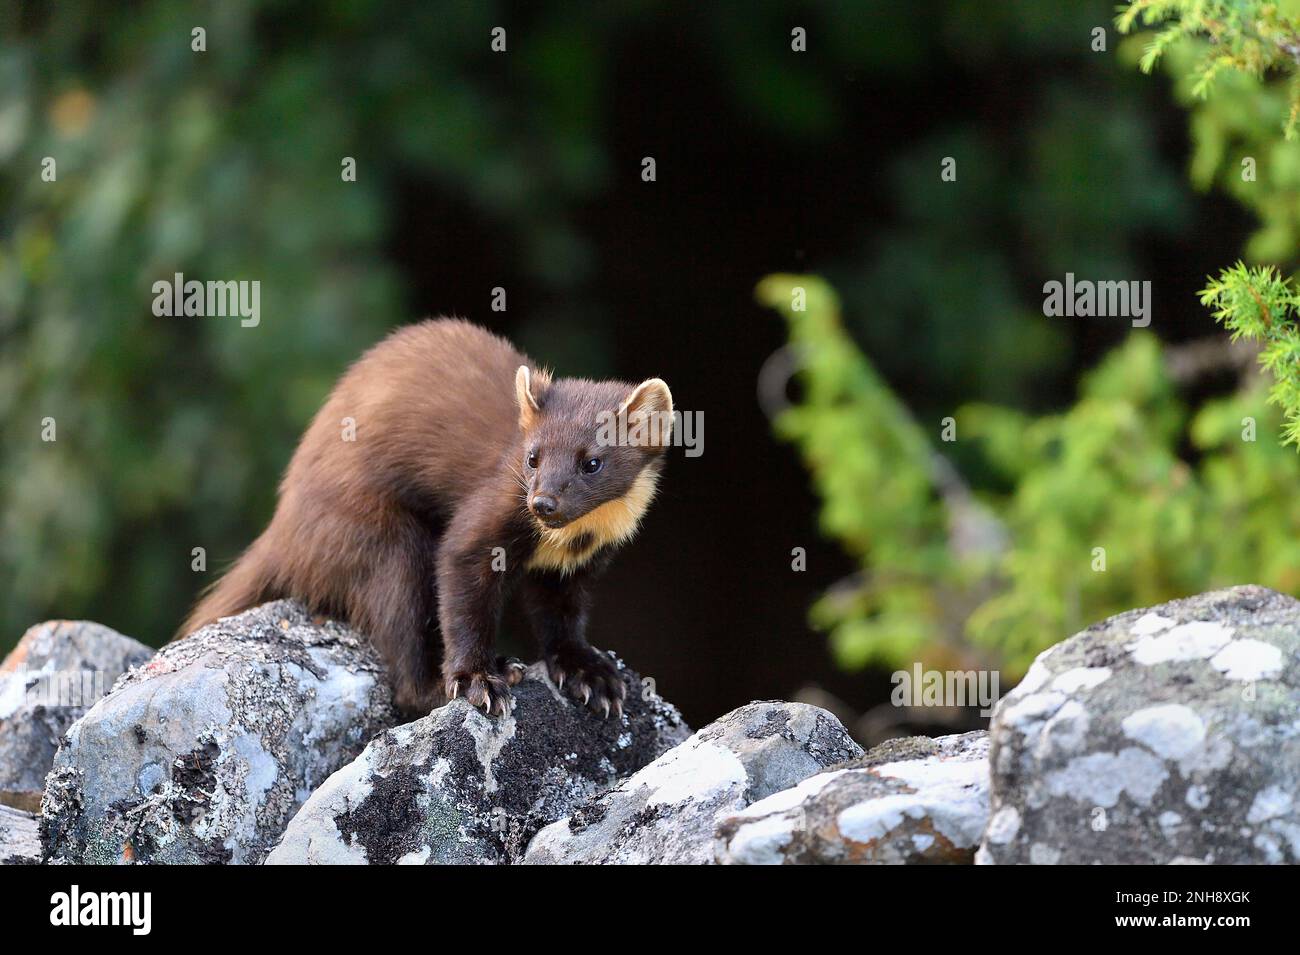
column 876, row 818
column 793, row 797
column 263, row 770
column 1080, row 678
column 1150, row 623
column 1027, row 714
column 1197, row 640
column 1172, row 731
column 952, row 793
column 1269, row 848
column 762, row 841
column 1197, row 797
column 1065, row 732
column 490, row 738
column 1268, row 804
column 403, row 734
column 1003, row 826
column 417, row 857
column 13, row 692
column 695, row 770
column 934, row 773
column 1099, row 779
column 1209, row 758
column 1042, row 854
column 1248, row 660
column 1290, row 831
column 1035, row 678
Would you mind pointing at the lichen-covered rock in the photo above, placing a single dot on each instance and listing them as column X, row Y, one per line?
column 20, row 842
column 1157, row 736
column 666, row 812
column 908, row 801
column 459, row 787
column 204, row 754
column 58, row 670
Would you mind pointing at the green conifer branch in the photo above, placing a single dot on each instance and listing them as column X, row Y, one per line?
column 1260, row 305
column 1251, row 36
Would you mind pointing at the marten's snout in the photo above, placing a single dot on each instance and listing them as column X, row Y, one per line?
column 544, row 505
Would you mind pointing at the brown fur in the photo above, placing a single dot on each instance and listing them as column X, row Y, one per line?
column 395, row 531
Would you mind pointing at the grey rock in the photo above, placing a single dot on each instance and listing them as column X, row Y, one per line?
column 204, row 754
column 458, row 787
column 908, row 801
column 20, row 842
column 1157, row 736
column 666, row 812
column 58, row 670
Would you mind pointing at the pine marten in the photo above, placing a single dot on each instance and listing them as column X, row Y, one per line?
column 469, row 471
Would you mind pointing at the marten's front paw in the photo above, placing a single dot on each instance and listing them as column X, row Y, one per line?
column 588, row 676
column 487, row 691
column 512, row 668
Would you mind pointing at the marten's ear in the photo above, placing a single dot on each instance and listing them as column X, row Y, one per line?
column 530, row 389
column 649, row 413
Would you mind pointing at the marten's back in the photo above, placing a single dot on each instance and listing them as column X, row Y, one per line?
column 434, row 410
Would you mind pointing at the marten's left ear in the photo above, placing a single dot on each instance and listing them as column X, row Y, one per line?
column 649, row 413
column 530, row 389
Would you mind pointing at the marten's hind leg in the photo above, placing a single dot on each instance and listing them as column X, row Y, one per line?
column 397, row 607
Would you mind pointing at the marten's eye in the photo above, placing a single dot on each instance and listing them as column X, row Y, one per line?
column 592, row 465
column 531, row 460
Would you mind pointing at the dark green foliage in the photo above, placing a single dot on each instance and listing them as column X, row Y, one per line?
column 172, row 432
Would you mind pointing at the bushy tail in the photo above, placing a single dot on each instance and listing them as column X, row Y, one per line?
column 246, row 584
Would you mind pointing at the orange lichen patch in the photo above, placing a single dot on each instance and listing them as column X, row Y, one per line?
column 284, row 624
column 16, row 657
column 128, row 853
column 940, row 852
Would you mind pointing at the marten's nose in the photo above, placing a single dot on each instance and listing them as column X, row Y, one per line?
column 544, row 505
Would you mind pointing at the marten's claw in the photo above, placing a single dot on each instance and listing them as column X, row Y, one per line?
column 512, row 668
column 588, row 676
column 485, row 691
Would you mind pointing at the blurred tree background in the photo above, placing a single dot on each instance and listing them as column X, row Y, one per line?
column 522, row 170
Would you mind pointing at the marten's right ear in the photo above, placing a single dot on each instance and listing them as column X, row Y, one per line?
column 648, row 412
column 530, row 389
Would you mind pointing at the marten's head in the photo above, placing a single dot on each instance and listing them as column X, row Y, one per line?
column 591, row 454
